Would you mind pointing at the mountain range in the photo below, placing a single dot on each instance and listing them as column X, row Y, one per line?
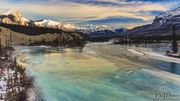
column 14, row 17
column 161, row 26
column 101, row 32
column 11, row 16
column 105, row 34
column 16, row 29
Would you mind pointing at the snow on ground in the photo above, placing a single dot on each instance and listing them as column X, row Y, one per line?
column 135, row 52
column 3, row 83
column 153, row 55
column 9, row 80
column 32, row 94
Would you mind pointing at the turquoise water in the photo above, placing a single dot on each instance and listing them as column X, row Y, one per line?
column 89, row 76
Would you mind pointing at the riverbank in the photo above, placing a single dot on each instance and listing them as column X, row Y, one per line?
column 15, row 84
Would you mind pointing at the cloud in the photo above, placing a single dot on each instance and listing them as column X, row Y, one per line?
column 82, row 11
column 90, row 10
column 114, row 20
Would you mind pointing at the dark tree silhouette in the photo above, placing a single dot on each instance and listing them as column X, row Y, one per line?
column 174, row 43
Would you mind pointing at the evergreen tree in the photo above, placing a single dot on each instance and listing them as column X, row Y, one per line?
column 174, row 43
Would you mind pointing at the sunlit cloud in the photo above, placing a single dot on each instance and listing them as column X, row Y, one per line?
column 88, row 10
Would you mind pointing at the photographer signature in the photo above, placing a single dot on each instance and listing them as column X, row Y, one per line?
column 166, row 96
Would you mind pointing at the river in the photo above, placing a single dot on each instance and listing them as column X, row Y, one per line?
column 102, row 72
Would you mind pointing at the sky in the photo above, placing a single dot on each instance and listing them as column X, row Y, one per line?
column 125, row 13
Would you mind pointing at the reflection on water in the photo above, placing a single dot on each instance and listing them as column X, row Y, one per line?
column 85, row 76
column 165, row 66
column 173, row 67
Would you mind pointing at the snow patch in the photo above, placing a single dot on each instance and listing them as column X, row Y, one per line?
column 154, row 55
column 135, row 52
column 48, row 23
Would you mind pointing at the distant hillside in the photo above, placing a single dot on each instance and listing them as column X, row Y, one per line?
column 104, row 34
column 31, row 30
column 38, row 36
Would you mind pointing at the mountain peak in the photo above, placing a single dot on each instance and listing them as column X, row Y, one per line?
column 48, row 23
column 170, row 14
column 161, row 26
column 54, row 24
column 168, row 17
column 12, row 16
column 177, row 9
column 9, row 11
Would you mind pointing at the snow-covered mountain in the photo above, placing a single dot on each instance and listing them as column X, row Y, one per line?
column 168, row 17
column 54, row 24
column 68, row 27
column 11, row 16
column 99, row 33
column 93, row 28
column 161, row 26
column 47, row 23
